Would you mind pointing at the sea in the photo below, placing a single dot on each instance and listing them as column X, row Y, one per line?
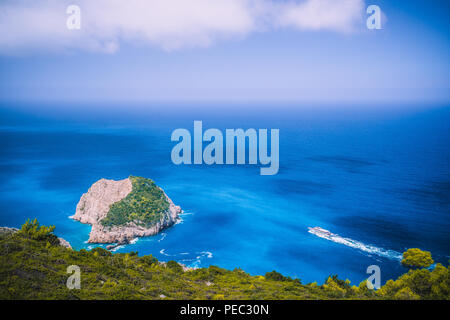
column 375, row 177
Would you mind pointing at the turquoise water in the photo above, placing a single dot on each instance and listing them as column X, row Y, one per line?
column 378, row 178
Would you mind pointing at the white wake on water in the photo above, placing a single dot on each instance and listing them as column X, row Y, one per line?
column 195, row 259
column 163, row 236
column 180, row 219
column 325, row 234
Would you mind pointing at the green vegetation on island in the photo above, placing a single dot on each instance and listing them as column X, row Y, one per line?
column 144, row 205
column 34, row 266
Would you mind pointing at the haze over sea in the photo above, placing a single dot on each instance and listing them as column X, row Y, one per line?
column 377, row 176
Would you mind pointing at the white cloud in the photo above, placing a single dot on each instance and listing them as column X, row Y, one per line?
column 170, row 24
column 337, row 15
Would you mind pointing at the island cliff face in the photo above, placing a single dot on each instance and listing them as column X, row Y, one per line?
column 95, row 204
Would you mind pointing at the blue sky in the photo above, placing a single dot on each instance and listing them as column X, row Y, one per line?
column 240, row 55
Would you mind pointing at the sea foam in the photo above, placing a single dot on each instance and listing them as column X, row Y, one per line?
column 325, row 234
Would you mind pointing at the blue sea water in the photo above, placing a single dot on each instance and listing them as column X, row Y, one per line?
column 377, row 176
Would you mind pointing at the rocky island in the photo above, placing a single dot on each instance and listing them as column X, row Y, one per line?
column 120, row 211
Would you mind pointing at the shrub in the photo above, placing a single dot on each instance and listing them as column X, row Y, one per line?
column 276, row 276
column 32, row 230
column 416, row 258
column 149, row 260
column 175, row 266
column 101, row 252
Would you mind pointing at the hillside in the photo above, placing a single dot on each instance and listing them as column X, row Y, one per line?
column 33, row 265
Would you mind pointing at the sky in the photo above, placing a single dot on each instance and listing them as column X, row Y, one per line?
column 225, row 51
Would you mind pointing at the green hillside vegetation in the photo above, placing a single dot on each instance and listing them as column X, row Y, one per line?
column 34, row 266
column 144, row 205
column 416, row 258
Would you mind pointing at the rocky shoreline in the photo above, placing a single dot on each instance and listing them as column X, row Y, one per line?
column 94, row 205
